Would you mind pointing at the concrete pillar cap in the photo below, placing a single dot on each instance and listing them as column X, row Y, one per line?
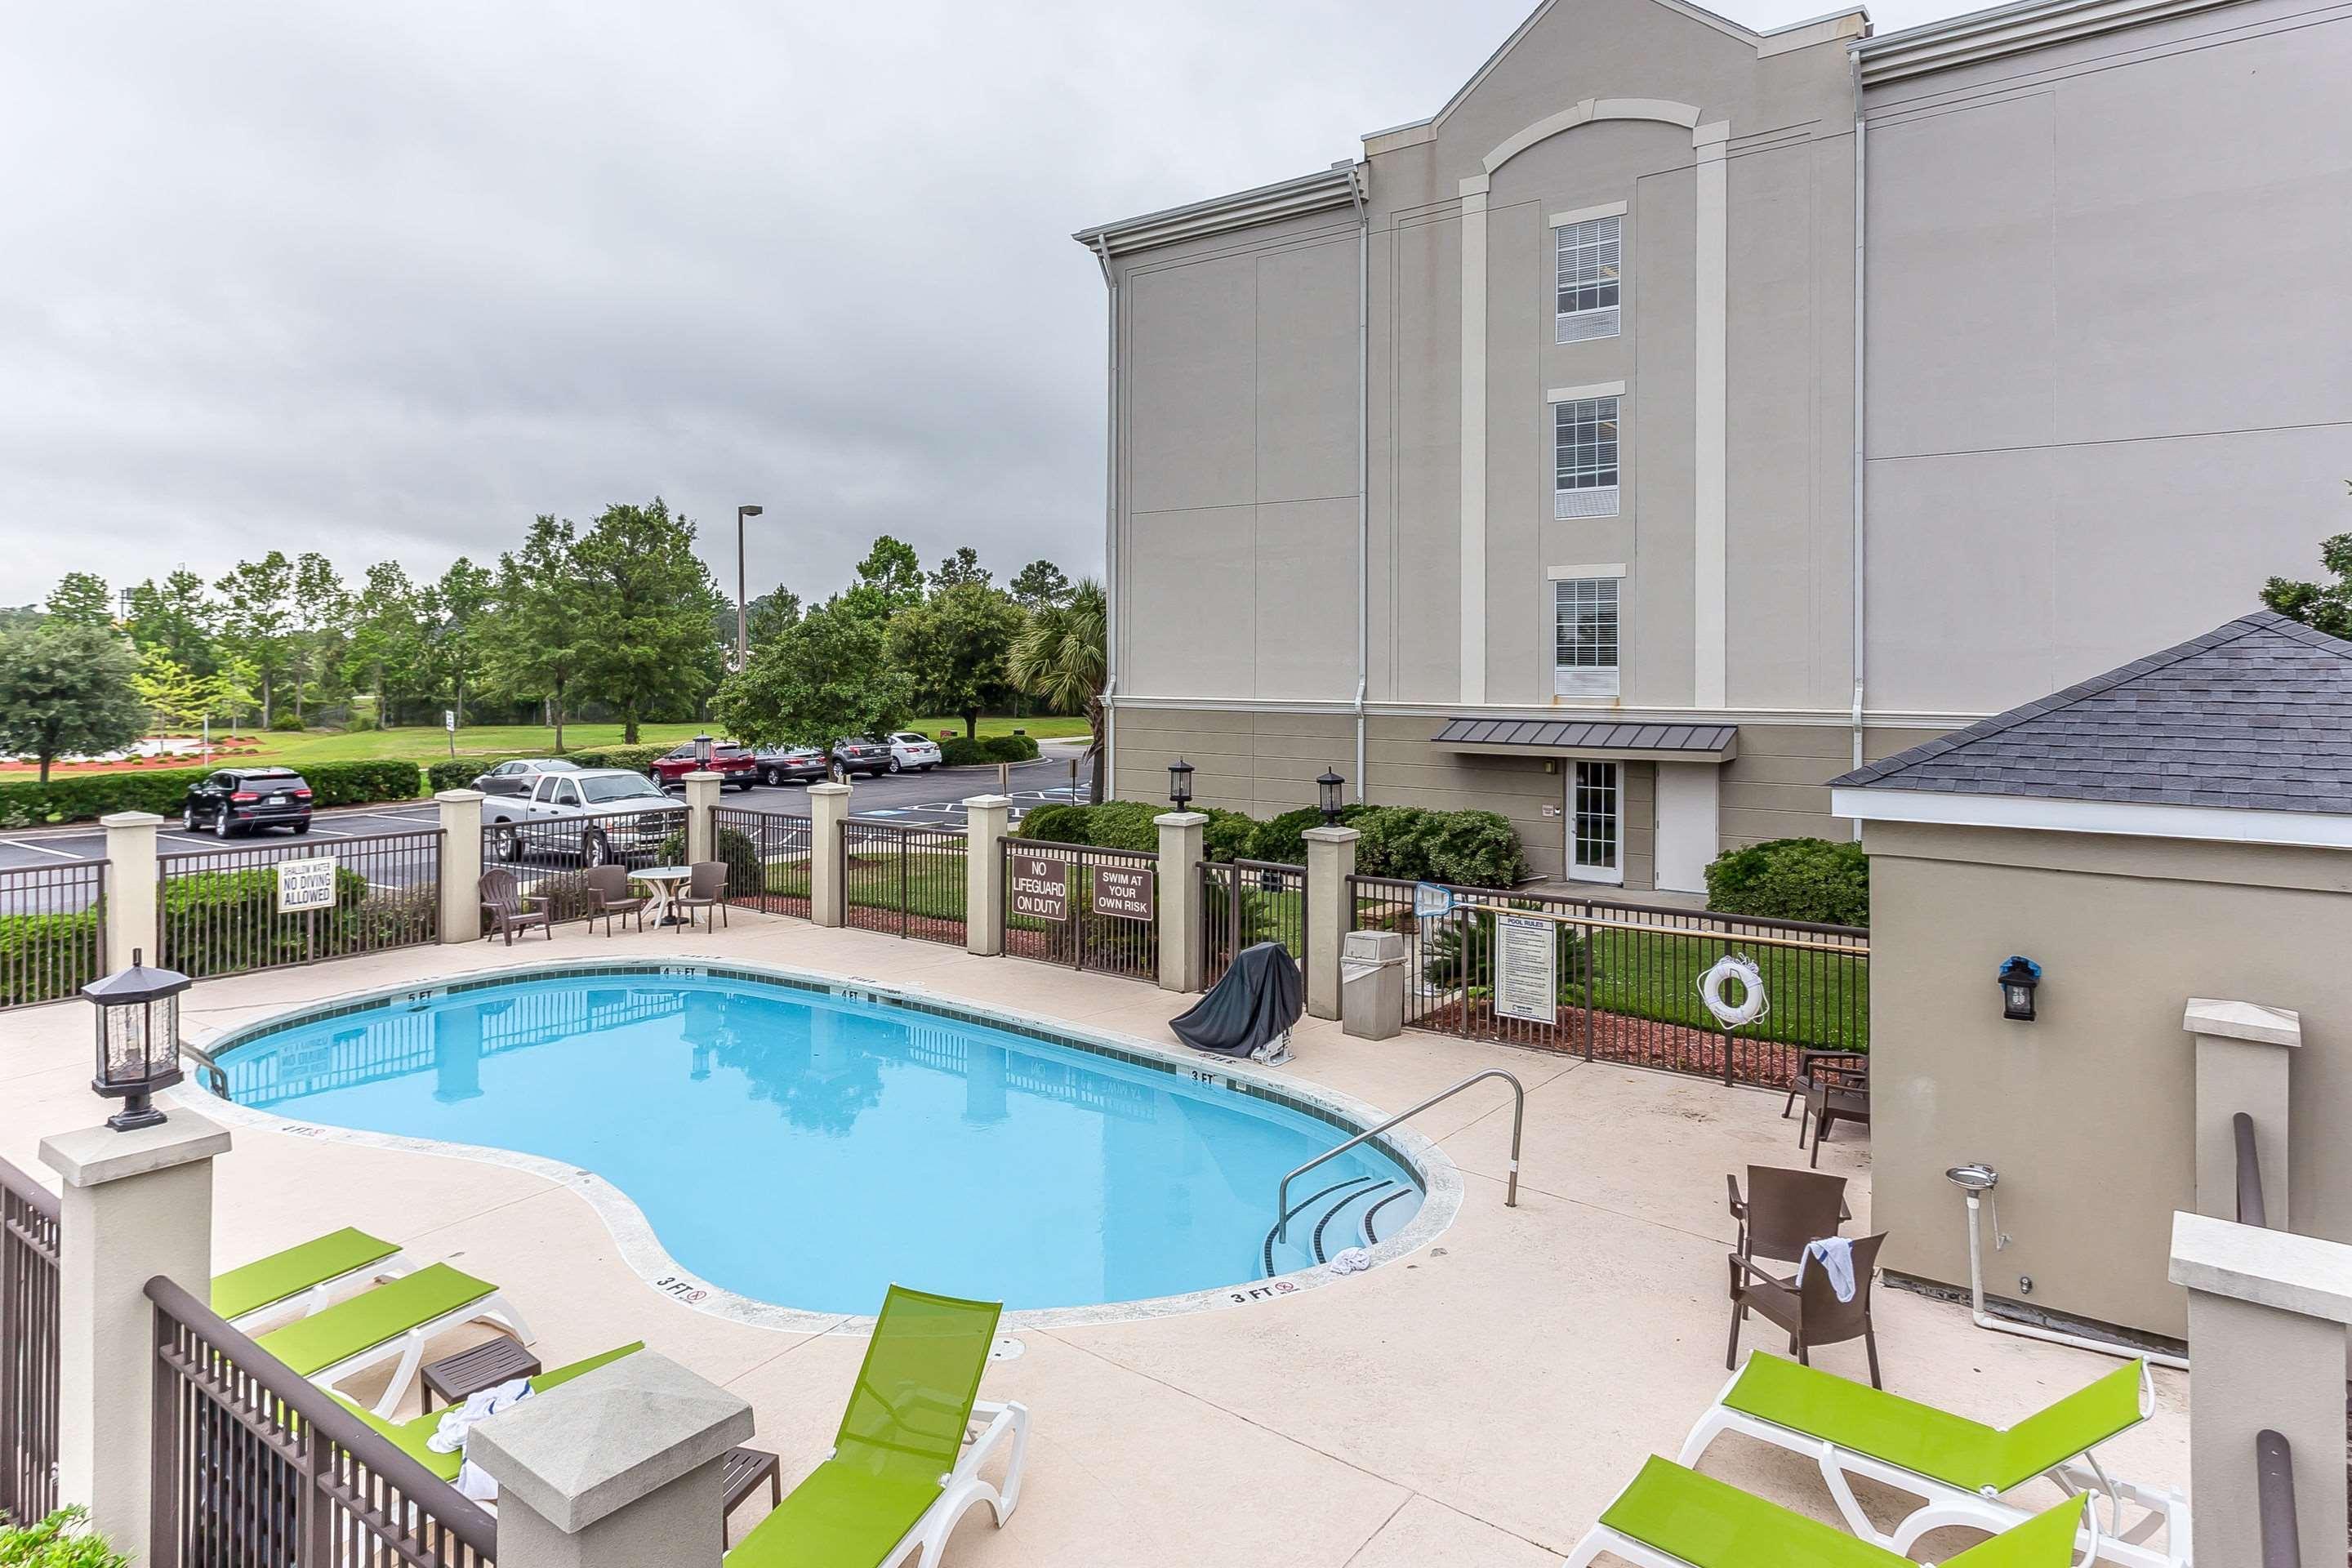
column 130, row 819
column 2243, row 1020
column 93, row 1156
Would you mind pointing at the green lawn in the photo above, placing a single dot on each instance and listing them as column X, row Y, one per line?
column 1818, row 999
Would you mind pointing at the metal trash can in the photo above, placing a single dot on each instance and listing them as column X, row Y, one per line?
column 1371, row 985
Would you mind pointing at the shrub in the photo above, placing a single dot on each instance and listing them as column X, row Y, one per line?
column 289, row 723
column 1792, row 879
column 64, row 1540
column 1476, row 849
column 361, row 783
column 636, row 758
column 1230, row 835
column 1057, row 823
column 75, row 797
column 958, row 752
column 458, row 773
column 745, row 870
column 1283, row 837
column 1010, row 748
column 219, row 922
column 31, row 947
column 1396, row 842
column 1459, row 953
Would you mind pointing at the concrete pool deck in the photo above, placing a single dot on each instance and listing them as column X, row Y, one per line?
column 1477, row 1403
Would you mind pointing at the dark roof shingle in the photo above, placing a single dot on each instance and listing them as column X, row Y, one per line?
column 2256, row 714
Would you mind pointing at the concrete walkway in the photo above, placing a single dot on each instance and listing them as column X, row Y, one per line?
column 1475, row 1405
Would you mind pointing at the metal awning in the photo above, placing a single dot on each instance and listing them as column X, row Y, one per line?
column 1602, row 738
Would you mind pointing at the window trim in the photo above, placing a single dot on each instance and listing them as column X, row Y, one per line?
column 1577, row 501
column 1590, row 680
column 1594, row 322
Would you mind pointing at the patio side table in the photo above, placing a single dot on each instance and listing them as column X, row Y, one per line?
column 457, row 1378
column 740, row 1475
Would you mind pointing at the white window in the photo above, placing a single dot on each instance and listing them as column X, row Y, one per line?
column 1584, row 637
column 1584, row 457
column 1591, row 257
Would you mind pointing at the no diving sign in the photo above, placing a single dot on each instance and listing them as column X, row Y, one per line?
column 306, row 884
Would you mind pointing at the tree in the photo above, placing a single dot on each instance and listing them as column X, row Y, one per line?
column 175, row 616
column 539, row 637
column 1040, row 583
column 1062, row 656
column 826, row 678
column 458, row 609
column 773, row 613
column 2325, row 606
column 952, row 648
column 959, row 569
column 177, row 695
column 889, row 579
column 651, row 647
column 385, row 649
column 257, row 619
column 66, row 690
column 320, row 615
column 84, row 599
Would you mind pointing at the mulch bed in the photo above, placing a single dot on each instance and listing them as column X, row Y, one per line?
column 1641, row 1042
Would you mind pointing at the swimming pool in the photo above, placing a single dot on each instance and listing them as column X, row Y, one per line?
column 807, row 1145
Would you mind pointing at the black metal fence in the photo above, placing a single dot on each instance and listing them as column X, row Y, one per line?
column 254, row 1467
column 30, row 1346
column 1627, row 980
column 903, row 878
column 221, row 912
column 767, row 856
column 1243, row 902
column 52, row 931
column 1082, row 905
column 550, row 857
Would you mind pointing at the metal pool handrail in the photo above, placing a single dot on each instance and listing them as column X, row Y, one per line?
column 1518, row 1121
column 214, row 1079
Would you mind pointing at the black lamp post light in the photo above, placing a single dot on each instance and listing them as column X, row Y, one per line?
column 2018, row 978
column 138, row 1039
column 702, row 750
column 1327, row 793
column 1179, row 784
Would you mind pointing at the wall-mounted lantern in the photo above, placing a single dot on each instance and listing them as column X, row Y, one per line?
column 1179, row 784
column 138, row 1039
column 1327, row 791
column 2018, row 978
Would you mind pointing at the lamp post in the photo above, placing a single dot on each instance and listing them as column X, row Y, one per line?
column 1179, row 784
column 701, row 752
column 1327, row 790
column 138, row 1039
column 742, row 588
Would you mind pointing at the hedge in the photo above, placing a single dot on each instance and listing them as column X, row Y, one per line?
column 77, row 798
column 1468, row 848
column 219, row 922
column 42, row 956
column 459, row 773
column 958, row 752
column 1793, row 879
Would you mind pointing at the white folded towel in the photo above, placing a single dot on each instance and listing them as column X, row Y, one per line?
column 458, row 1420
column 1836, row 1254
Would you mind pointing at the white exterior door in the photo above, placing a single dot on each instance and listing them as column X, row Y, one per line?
column 1596, row 822
column 1687, row 810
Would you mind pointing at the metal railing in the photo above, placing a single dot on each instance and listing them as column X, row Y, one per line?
column 1627, row 980
column 254, row 1467
column 1243, row 902
column 2274, row 1496
column 217, row 910
column 30, row 1346
column 52, row 931
column 550, row 857
column 2252, row 1209
column 1519, row 1124
column 768, row 859
column 1062, row 904
column 904, row 879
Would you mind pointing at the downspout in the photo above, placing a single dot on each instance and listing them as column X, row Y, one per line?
column 1359, row 177
column 1860, row 275
column 1110, row 531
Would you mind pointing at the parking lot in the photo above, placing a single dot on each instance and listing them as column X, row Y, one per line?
column 936, row 798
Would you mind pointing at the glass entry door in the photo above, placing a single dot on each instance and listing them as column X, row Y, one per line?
column 1596, row 823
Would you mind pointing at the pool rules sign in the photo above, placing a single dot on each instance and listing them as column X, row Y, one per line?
column 1041, row 887
column 1526, row 969
column 306, row 884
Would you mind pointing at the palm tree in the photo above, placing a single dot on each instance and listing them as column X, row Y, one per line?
column 1062, row 656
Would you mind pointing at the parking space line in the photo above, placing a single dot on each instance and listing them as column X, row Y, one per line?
column 42, row 850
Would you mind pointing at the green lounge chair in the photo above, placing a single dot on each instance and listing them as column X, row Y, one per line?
column 1960, row 1469
column 409, row 1436
column 1674, row 1518
column 391, row 1322
column 304, row 1275
column 901, row 1473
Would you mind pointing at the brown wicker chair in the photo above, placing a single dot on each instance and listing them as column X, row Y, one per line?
column 503, row 907
column 1784, row 1209
column 1833, row 1087
column 1809, row 1308
column 705, row 890
column 609, row 894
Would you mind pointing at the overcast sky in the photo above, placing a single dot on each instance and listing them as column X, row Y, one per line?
column 388, row 280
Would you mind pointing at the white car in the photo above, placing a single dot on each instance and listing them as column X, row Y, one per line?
column 910, row 752
column 600, row 814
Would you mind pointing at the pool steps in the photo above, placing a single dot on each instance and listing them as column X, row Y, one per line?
column 1366, row 1195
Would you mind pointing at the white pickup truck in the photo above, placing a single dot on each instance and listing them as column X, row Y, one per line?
column 600, row 814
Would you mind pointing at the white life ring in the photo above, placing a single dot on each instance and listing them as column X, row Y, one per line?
column 1752, row 1005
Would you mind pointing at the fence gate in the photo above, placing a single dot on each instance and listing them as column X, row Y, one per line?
column 1243, row 902
column 1085, row 907
column 28, row 1346
column 767, row 869
column 1626, row 979
column 903, row 878
column 52, row 931
column 228, row 911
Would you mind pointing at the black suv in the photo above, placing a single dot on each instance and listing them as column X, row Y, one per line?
column 235, row 799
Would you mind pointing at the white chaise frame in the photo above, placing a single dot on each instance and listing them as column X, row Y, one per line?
column 961, row 1490
column 316, row 1297
column 408, row 1347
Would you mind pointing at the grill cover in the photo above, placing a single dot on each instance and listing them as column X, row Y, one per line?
column 1258, row 1001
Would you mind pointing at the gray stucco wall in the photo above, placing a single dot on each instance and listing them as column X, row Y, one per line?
column 2109, row 382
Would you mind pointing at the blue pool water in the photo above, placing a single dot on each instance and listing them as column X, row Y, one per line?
column 808, row 1150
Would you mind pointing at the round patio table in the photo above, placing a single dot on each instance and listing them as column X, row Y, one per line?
column 666, row 882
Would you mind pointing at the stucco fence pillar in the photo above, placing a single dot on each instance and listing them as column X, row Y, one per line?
column 616, row 1469
column 131, row 911
column 701, row 795
column 987, row 818
column 2245, row 1054
column 135, row 1205
column 461, row 864
column 1180, row 958
column 828, row 807
column 1330, row 911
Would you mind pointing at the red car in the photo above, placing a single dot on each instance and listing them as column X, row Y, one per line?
column 734, row 764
